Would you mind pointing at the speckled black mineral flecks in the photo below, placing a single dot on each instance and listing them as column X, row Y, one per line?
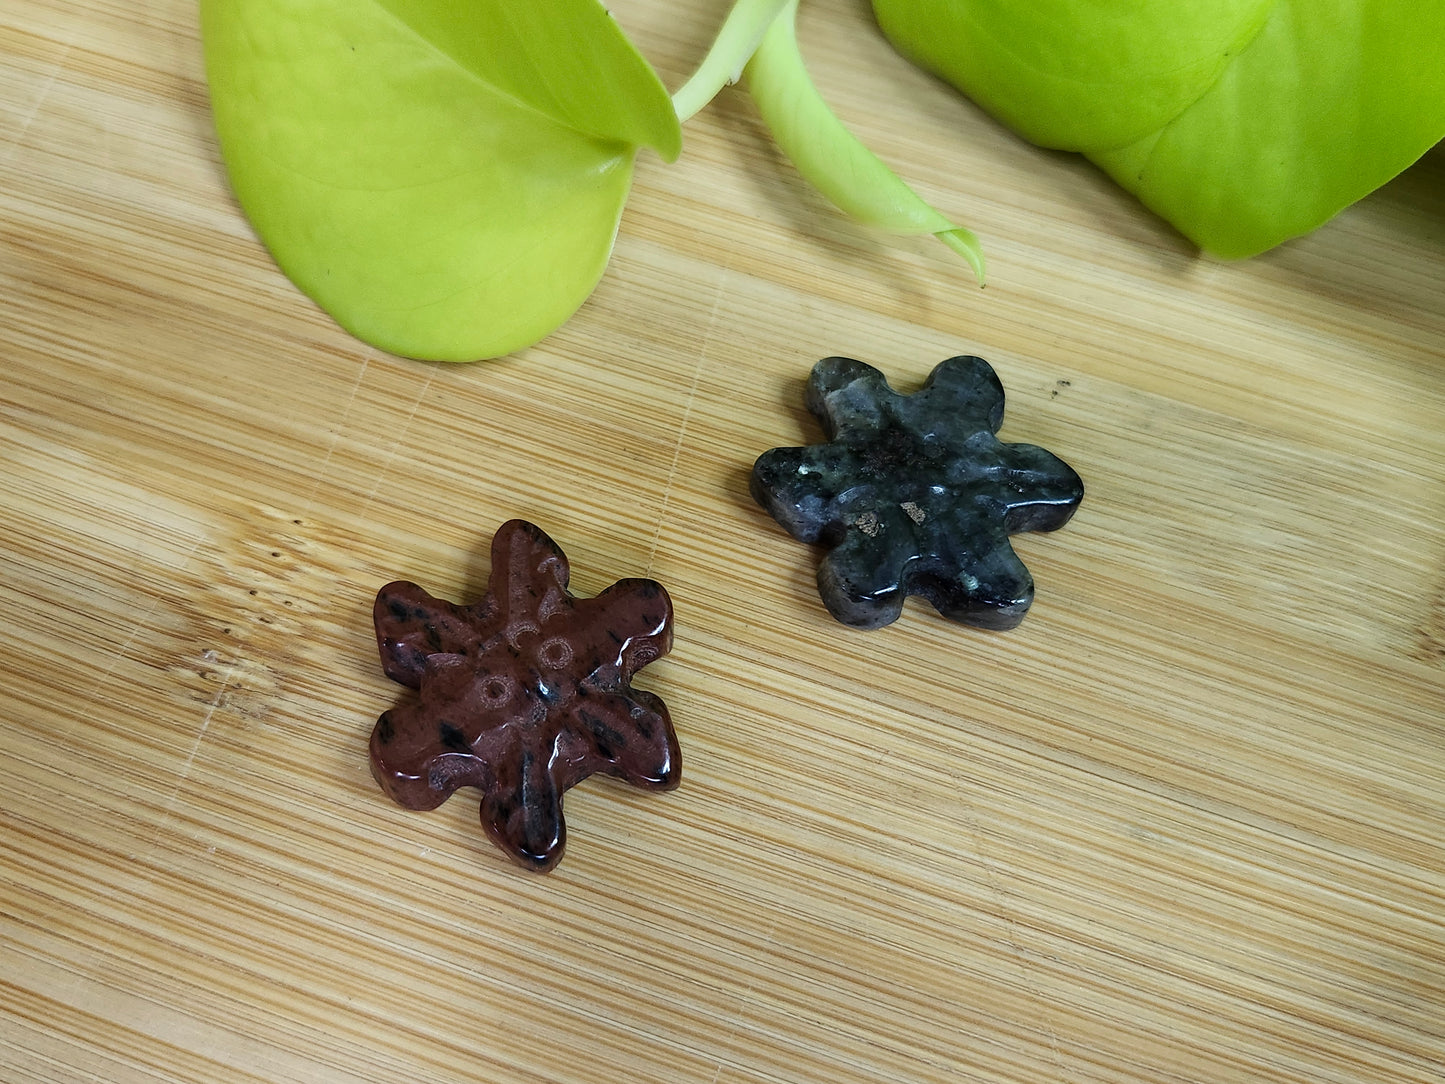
column 523, row 694
column 915, row 495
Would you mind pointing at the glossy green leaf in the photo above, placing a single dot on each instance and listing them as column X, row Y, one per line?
column 1242, row 122
column 444, row 178
column 830, row 157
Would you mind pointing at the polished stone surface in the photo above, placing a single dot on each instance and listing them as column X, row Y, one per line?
column 523, row 694
column 915, row 495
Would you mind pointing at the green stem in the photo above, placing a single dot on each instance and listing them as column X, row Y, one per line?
column 829, row 156
column 736, row 42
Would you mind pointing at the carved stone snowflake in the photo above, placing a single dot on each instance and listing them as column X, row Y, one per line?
column 914, row 495
column 523, row 694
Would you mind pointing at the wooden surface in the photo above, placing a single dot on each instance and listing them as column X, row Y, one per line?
column 1185, row 824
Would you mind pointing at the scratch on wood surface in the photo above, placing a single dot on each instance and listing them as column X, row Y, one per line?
column 737, row 1021
column 185, row 772
column 686, row 415
column 12, row 146
column 120, row 652
column 1002, row 902
column 341, row 428
column 401, row 432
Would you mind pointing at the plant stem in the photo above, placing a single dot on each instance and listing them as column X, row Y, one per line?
column 829, row 156
column 735, row 44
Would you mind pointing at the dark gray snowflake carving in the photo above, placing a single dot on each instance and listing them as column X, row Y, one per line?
column 914, row 495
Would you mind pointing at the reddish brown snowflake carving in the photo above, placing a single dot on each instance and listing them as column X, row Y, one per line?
column 523, row 694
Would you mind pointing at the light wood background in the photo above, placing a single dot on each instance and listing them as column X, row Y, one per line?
column 1185, row 824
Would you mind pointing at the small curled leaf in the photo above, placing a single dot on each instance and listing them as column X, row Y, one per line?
column 829, row 156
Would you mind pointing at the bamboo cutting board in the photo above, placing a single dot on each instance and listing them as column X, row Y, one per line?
column 1184, row 824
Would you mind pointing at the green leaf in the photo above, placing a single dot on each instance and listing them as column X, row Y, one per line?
column 1074, row 74
column 1330, row 101
column 1242, row 122
column 445, row 179
column 830, row 157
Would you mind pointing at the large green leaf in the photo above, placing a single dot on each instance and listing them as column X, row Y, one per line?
column 1242, row 122
column 444, row 177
